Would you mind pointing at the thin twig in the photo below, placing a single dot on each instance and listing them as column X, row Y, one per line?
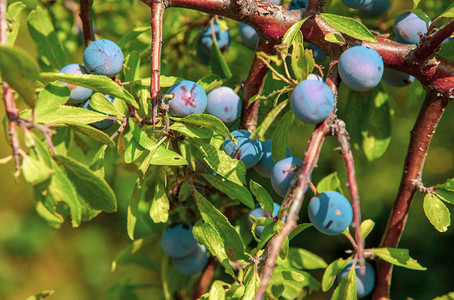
column 87, row 21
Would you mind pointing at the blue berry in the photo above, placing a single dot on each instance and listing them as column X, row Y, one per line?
column 206, row 41
column 265, row 166
column 248, row 35
column 104, row 124
column 357, row 3
column 283, row 173
column 178, row 241
column 312, row 101
column 103, row 57
column 315, row 77
column 260, row 213
column 248, row 151
column 330, row 212
column 78, row 94
column 376, row 8
column 297, row 4
column 364, row 283
column 224, row 104
column 192, row 263
column 361, row 68
column 396, row 78
column 188, row 98
column 408, row 28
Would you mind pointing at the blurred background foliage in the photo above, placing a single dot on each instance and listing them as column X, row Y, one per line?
column 76, row 263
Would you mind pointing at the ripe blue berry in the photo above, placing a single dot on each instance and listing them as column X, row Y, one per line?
column 103, row 57
column 224, row 104
column 206, row 41
column 357, row 3
column 188, row 98
column 283, row 173
column 376, row 8
column 192, row 263
column 178, row 241
column 78, row 94
column 248, row 35
column 297, row 4
column 330, row 212
column 260, row 213
column 408, row 28
column 396, row 78
column 265, row 166
column 364, row 283
column 318, row 54
column 361, row 68
column 312, row 101
column 104, row 124
column 248, row 151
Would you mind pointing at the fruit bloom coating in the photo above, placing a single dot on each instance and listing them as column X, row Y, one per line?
column 396, row 78
column 78, row 94
column 357, row 3
column 258, row 212
column 330, row 212
column 318, row 54
column 224, row 104
column 376, row 8
column 104, row 124
column 283, row 173
column 192, row 263
column 312, row 101
column 265, row 166
column 248, row 35
column 361, row 68
column 298, row 4
column 408, row 27
column 315, row 77
column 178, row 241
column 364, row 283
column 103, row 57
column 206, row 41
column 248, row 151
column 188, row 98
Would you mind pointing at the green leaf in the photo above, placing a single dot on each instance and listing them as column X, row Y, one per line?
column 93, row 189
column 131, row 71
column 54, row 94
column 97, row 163
column 445, row 195
column 398, row 257
column 140, row 136
column 133, row 34
column 20, row 72
column 217, row 290
column 349, row 26
column 296, row 282
column 43, row 34
column 165, row 81
column 302, row 61
column 376, row 127
column 131, row 253
column 218, row 64
column 162, row 157
column 159, row 210
column 133, row 151
column 252, row 284
column 262, row 196
column 14, row 14
column 280, row 136
column 41, row 295
column 64, row 114
column 35, row 171
column 291, row 33
column 302, row 259
column 330, row 182
column 334, row 37
column 437, row 212
column 101, row 104
column 449, row 12
column 206, row 121
column 94, row 133
column 346, row 289
column 210, row 82
column 97, row 83
column 231, row 189
column 448, row 296
column 366, row 227
column 259, row 133
column 298, row 229
column 415, row 4
column 354, row 114
column 331, row 272
column 448, row 185
column 192, row 131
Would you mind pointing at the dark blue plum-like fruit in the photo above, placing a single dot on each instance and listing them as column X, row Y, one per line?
column 365, row 283
column 206, row 41
column 78, row 94
column 283, row 173
column 258, row 212
column 330, row 212
column 249, row 151
column 408, row 28
column 297, row 4
column 376, row 8
column 104, row 124
column 103, row 57
column 188, row 98
column 178, row 241
column 192, row 263
column 224, row 104
column 312, row 101
column 357, row 3
column 396, row 78
column 318, row 54
column 360, row 68
column 315, row 77
column 248, row 35
column 265, row 166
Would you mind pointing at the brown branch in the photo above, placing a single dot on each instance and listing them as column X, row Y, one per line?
column 432, row 43
column 206, row 278
column 253, row 86
column 87, row 21
column 421, row 135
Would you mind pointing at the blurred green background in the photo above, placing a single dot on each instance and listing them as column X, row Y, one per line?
column 76, row 263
